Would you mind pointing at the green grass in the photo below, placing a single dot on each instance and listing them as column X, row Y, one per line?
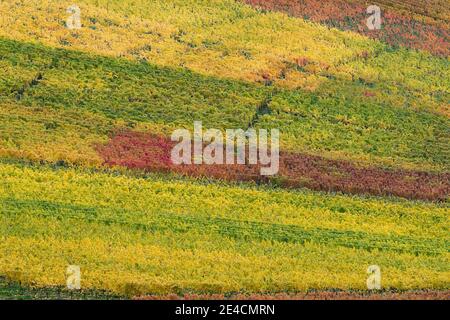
column 10, row 290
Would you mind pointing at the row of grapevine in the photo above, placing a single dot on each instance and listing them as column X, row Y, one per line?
column 397, row 28
column 148, row 152
column 139, row 236
column 227, row 39
column 70, row 87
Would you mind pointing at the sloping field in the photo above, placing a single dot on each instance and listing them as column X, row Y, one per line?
column 137, row 236
column 225, row 39
column 406, row 23
column 86, row 176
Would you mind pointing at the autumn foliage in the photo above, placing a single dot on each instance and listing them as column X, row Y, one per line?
column 86, row 173
column 149, row 152
column 320, row 295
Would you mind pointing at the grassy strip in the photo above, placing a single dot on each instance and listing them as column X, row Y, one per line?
column 133, row 262
column 151, row 152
